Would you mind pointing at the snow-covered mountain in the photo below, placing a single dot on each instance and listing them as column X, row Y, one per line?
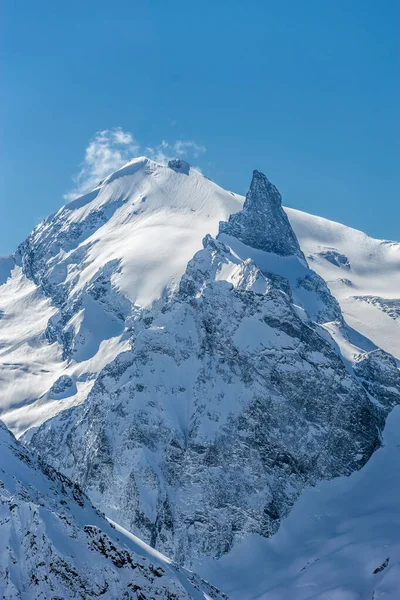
column 194, row 359
column 232, row 398
column 54, row 544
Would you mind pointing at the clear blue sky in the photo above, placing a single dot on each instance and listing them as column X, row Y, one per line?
column 305, row 91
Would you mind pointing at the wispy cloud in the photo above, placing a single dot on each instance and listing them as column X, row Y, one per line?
column 108, row 151
column 163, row 152
column 182, row 148
column 112, row 148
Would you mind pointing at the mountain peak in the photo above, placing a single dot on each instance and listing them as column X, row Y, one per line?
column 262, row 223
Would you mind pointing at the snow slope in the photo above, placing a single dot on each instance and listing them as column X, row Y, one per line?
column 341, row 540
column 147, row 217
column 63, row 305
column 362, row 273
column 54, row 544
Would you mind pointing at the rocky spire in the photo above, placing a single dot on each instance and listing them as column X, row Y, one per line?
column 262, row 223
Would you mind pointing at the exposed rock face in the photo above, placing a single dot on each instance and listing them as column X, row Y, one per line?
column 390, row 306
column 335, row 258
column 262, row 223
column 380, row 376
column 231, row 400
column 54, row 544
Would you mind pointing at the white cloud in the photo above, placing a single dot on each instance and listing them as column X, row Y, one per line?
column 110, row 149
column 182, row 148
column 165, row 151
column 161, row 153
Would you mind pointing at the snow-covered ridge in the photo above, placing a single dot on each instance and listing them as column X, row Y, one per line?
column 54, row 544
column 148, row 218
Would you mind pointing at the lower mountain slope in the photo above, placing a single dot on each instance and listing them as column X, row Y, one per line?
column 54, row 545
column 341, row 540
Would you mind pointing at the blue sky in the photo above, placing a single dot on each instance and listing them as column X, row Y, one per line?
column 305, row 91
